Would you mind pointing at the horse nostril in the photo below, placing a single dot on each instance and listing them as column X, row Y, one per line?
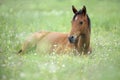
column 72, row 36
column 71, row 39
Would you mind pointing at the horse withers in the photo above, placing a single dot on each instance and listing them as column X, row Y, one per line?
column 78, row 40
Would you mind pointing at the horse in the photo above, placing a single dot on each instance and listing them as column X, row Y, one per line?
column 81, row 30
column 76, row 41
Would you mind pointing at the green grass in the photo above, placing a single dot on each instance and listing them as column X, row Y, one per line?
column 20, row 18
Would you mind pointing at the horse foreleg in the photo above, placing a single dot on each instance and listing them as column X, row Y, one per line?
column 87, row 48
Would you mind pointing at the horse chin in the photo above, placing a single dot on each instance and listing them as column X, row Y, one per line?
column 72, row 42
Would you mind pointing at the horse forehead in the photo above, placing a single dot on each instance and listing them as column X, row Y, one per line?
column 78, row 17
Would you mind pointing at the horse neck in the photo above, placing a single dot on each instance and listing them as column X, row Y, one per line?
column 83, row 41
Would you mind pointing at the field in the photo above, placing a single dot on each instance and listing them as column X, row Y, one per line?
column 20, row 18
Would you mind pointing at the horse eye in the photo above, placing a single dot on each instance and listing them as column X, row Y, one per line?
column 81, row 22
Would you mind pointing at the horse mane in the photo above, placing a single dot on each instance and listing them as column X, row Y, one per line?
column 89, row 21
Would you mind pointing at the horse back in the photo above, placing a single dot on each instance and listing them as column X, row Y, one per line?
column 54, row 41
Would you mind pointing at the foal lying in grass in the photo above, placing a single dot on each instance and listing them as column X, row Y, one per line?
column 78, row 40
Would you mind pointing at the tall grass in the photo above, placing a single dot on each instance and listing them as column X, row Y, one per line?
column 20, row 18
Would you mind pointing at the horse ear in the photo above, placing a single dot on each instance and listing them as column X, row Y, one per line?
column 84, row 10
column 74, row 9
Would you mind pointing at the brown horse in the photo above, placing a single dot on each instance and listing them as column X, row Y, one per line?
column 77, row 40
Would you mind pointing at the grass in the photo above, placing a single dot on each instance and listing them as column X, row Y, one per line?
column 20, row 18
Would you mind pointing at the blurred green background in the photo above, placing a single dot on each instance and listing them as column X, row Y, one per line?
column 20, row 18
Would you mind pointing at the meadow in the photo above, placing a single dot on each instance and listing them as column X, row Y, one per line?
column 20, row 18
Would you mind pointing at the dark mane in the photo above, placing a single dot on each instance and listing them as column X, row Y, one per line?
column 79, row 13
column 89, row 22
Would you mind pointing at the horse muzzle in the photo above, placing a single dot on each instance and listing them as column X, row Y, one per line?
column 72, row 39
